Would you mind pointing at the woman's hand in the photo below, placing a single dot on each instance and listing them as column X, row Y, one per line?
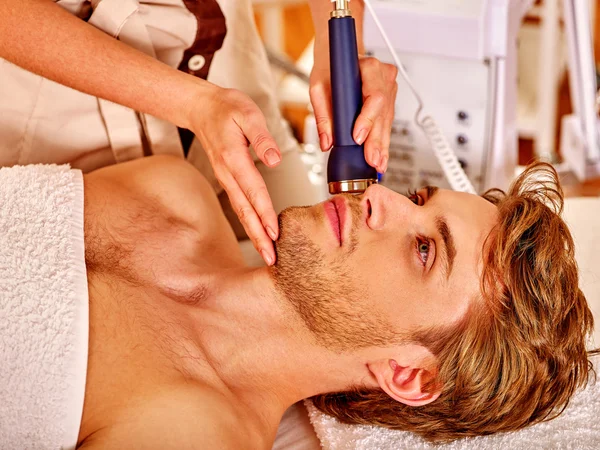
column 227, row 121
column 373, row 125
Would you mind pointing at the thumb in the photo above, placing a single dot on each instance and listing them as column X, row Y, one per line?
column 320, row 98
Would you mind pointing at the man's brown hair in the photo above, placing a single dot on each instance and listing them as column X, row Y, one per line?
column 519, row 353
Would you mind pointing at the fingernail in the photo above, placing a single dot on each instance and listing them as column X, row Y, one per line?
column 376, row 158
column 384, row 164
column 268, row 258
column 271, row 233
column 272, row 157
column 360, row 137
column 324, row 140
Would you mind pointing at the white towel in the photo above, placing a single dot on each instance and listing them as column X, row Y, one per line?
column 576, row 428
column 43, row 307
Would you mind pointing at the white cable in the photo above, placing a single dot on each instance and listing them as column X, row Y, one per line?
column 455, row 174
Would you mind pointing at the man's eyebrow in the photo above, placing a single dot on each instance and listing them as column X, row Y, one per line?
column 431, row 191
column 449, row 247
column 444, row 230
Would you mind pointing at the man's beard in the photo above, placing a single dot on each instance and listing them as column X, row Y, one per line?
column 328, row 297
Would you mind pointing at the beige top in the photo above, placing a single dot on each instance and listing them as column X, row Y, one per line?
column 44, row 122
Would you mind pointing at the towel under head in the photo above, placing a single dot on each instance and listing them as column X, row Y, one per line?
column 43, row 307
column 576, row 428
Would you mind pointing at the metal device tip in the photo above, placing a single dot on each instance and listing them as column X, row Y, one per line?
column 341, row 8
column 350, row 186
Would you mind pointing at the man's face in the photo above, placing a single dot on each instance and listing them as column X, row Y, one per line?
column 370, row 270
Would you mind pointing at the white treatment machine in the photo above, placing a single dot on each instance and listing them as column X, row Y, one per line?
column 461, row 56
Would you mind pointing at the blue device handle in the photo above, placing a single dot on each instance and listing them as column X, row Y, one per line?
column 347, row 158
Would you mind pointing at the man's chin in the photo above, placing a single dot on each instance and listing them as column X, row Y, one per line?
column 327, row 296
column 292, row 234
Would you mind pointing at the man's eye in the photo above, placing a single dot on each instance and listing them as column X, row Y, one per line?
column 424, row 251
column 415, row 198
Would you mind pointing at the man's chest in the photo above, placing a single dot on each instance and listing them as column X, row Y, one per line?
column 155, row 239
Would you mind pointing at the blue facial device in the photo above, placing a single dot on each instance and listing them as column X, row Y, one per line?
column 347, row 169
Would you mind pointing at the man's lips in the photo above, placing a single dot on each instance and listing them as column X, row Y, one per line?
column 335, row 209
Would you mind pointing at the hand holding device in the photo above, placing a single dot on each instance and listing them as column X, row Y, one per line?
column 371, row 127
column 347, row 170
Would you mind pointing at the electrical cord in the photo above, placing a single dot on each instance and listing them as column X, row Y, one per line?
column 456, row 176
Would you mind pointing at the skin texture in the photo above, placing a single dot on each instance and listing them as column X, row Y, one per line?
column 179, row 328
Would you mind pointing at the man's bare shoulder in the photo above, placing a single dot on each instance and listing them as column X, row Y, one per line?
column 168, row 180
column 185, row 418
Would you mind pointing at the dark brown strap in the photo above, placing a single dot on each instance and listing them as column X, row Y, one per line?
column 209, row 37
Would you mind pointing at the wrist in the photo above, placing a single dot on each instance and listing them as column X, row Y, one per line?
column 198, row 94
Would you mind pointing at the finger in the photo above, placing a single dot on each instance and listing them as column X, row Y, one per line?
column 391, row 73
column 255, row 190
column 248, row 217
column 373, row 146
column 371, row 114
column 320, row 97
column 374, row 94
column 254, row 127
column 387, row 130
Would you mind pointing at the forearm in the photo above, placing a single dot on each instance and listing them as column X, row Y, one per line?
column 41, row 37
column 320, row 10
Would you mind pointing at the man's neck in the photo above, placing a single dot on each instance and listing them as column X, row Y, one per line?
column 255, row 348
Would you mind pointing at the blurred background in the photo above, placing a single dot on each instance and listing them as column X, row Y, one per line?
column 499, row 77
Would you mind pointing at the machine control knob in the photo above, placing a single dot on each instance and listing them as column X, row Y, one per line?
column 462, row 116
column 461, row 139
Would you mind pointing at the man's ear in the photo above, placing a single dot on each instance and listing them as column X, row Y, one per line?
column 405, row 384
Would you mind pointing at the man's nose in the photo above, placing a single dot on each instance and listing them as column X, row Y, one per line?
column 385, row 207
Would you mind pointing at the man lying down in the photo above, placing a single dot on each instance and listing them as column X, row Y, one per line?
column 441, row 313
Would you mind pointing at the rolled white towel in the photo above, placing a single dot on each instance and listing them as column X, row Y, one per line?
column 576, row 428
column 43, row 307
